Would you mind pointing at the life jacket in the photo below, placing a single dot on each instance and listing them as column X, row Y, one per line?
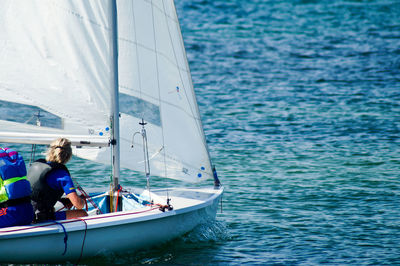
column 43, row 196
column 14, row 186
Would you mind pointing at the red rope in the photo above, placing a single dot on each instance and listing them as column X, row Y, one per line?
column 116, row 205
column 90, row 199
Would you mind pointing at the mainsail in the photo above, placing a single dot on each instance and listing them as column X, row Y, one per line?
column 57, row 57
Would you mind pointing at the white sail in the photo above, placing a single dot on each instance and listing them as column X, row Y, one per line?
column 61, row 63
column 55, row 57
column 150, row 42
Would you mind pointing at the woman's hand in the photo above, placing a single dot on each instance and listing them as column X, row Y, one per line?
column 77, row 201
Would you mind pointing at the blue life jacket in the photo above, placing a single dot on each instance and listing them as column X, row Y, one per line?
column 13, row 182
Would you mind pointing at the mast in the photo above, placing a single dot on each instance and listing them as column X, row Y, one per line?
column 115, row 140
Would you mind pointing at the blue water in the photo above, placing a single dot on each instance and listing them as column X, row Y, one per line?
column 300, row 102
column 301, row 106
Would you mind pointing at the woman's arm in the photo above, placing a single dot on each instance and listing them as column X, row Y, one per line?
column 77, row 201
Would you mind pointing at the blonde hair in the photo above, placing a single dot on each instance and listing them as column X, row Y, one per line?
column 60, row 151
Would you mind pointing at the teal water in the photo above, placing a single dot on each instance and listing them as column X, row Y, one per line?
column 301, row 106
column 300, row 102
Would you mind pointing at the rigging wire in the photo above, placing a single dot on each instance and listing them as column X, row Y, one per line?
column 137, row 59
column 159, row 88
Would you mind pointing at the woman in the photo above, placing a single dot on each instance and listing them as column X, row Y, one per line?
column 50, row 179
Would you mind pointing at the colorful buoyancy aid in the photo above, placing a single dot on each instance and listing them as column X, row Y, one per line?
column 14, row 186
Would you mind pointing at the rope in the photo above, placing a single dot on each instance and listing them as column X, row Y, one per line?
column 88, row 198
column 111, row 197
column 65, row 237
column 83, row 242
column 116, row 205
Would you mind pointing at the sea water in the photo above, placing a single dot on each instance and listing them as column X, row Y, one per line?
column 301, row 107
column 300, row 102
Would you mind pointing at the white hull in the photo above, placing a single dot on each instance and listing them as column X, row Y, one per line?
column 113, row 232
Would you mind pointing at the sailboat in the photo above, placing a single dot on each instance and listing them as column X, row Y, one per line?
column 111, row 76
